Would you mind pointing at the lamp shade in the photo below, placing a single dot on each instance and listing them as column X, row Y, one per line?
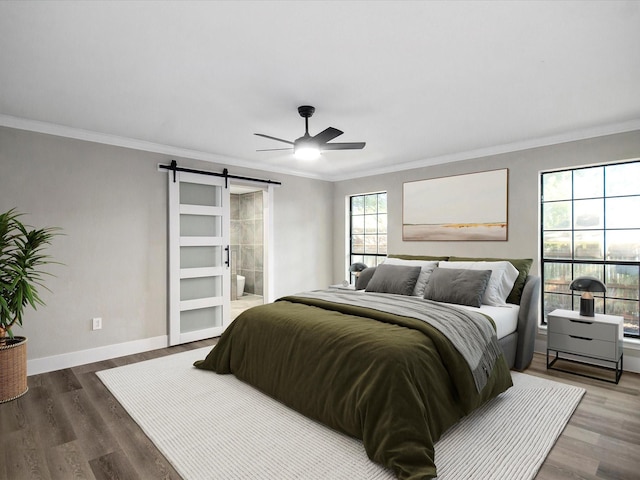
column 587, row 285
column 357, row 267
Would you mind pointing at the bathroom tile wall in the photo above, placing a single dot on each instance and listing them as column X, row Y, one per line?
column 246, row 240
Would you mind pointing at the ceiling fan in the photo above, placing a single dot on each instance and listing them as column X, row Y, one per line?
column 308, row 147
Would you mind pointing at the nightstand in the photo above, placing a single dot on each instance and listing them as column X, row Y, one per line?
column 597, row 339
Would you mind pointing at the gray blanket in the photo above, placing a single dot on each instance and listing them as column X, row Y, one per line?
column 471, row 333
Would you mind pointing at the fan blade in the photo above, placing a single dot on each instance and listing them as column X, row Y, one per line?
column 343, row 146
column 273, row 138
column 327, row 135
column 273, row 149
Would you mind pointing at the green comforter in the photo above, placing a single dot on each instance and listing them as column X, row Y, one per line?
column 394, row 382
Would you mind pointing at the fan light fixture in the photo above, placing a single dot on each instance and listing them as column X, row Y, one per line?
column 306, row 150
column 587, row 285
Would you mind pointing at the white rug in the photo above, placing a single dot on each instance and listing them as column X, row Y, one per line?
column 213, row 426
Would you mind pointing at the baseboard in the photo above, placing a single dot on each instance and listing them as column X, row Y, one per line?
column 73, row 359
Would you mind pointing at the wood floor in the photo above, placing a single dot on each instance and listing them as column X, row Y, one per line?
column 68, row 426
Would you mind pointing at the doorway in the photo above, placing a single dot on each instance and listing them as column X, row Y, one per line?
column 248, row 244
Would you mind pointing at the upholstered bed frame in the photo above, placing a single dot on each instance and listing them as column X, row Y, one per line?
column 518, row 346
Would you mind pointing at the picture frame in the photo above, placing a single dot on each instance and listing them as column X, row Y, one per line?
column 465, row 207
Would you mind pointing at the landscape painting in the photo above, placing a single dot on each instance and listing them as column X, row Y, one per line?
column 462, row 207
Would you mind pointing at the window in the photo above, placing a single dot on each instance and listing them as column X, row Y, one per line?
column 590, row 226
column 368, row 228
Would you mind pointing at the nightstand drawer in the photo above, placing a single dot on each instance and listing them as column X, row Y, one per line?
column 584, row 346
column 581, row 328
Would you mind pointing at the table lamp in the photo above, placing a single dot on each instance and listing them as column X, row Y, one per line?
column 587, row 285
column 356, row 268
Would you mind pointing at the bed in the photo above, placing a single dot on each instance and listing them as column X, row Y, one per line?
column 381, row 363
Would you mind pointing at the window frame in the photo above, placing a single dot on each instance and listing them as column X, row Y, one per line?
column 366, row 258
column 605, row 265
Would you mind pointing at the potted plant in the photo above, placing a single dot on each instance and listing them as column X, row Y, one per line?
column 21, row 258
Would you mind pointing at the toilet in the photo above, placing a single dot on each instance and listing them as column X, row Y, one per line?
column 240, row 286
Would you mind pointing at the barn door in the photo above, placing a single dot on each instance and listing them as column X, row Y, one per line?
column 199, row 274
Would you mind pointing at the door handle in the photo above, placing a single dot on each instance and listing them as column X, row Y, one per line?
column 228, row 260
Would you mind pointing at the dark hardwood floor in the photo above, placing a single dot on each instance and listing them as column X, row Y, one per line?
column 68, row 426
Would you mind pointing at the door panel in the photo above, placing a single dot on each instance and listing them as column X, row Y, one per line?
column 199, row 275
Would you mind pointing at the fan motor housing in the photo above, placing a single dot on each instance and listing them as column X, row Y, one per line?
column 306, row 111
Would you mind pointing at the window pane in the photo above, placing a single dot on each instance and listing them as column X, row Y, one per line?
column 357, row 224
column 382, row 203
column 382, row 223
column 371, row 224
column 357, row 205
column 623, row 212
column 556, row 186
column 557, row 215
column 554, row 300
column 370, row 244
column 370, row 261
column 357, row 244
column 382, row 244
column 589, row 245
column 557, row 277
column 371, row 204
column 617, row 179
column 622, row 281
column 357, row 259
column 557, row 245
column 623, row 245
column 588, row 182
column 590, row 270
column 629, row 311
column 598, row 304
column 588, row 213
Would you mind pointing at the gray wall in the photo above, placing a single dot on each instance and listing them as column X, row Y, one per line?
column 111, row 203
column 523, row 196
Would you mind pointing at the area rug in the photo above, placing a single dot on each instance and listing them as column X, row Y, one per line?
column 213, row 426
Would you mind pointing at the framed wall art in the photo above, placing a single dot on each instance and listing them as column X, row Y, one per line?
column 462, row 207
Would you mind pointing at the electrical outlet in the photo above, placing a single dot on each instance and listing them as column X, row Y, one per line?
column 96, row 323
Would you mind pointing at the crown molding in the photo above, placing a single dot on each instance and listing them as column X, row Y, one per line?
column 114, row 140
column 572, row 136
column 136, row 144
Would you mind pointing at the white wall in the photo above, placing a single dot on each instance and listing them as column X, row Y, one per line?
column 524, row 168
column 111, row 204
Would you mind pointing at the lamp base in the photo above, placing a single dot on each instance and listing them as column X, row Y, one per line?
column 586, row 307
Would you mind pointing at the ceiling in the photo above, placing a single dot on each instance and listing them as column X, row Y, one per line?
column 421, row 82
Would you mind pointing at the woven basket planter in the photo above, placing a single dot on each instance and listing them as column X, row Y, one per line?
column 13, row 369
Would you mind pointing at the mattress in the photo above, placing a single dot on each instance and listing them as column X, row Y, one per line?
column 505, row 318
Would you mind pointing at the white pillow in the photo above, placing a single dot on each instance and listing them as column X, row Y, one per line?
column 426, row 267
column 503, row 276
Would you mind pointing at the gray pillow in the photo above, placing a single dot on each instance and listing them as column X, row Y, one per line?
column 456, row 285
column 398, row 279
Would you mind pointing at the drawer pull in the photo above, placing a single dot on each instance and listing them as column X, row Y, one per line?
column 581, row 321
column 581, row 338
